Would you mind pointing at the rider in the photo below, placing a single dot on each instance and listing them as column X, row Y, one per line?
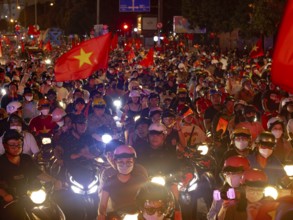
column 155, row 202
column 121, row 189
column 233, row 169
column 264, row 159
column 19, row 172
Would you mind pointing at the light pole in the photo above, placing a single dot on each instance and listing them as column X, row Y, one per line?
column 98, row 11
column 36, row 12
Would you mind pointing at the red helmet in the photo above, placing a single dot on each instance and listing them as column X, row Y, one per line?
column 255, row 177
column 236, row 163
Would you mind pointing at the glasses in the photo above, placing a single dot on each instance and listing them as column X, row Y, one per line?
column 19, row 145
column 127, row 163
column 151, row 207
column 151, row 210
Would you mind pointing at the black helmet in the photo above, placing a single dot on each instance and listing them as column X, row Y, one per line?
column 155, row 192
column 142, row 120
column 168, row 113
column 266, row 138
column 14, row 118
column 11, row 134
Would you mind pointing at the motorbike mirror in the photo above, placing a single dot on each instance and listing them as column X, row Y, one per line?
column 271, row 191
column 46, row 140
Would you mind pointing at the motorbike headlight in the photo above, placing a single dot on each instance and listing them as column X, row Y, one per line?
column 136, row 118
column 117, row 103
column 77, row 190
column 271, row 191
column 3, row 92
column 48, row 61
column 158, row 180
column 106, row 138
column 289, row 170
column 130, row 217
column 93, row 189
column 76, row 187
column 38, row 197
column 204, row 149
column 46, row 140
column 62, row 104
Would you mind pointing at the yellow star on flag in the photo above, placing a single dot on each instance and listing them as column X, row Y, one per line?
column 83, row 58
column 255, row 48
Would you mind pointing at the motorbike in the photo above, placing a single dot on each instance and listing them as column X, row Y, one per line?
column 80, row 198
column 45, row 157
column 197, row 180
column 36, row 204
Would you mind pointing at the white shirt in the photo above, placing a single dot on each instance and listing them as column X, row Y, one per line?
column 30, row 146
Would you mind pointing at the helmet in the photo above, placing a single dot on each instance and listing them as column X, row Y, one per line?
column 168, row 113
column 112, row 145
column 155, row 110
column 241, row 132
column 254, row 177
column 14, row 118
column 152, row 192
column 286, row 101
column 248, row 109
column 273, row 121
column 11, row 134
column 266, row 138
column 124, row 151
column 51, row 92
column 98, row 102
column 181, row 66
column 181, row 90
column 43, row 103
column 154, row 95
column 134, row 93
column 132, row 84
column 58, row 114
column 13, row 107
column 142, row 120
column 157, row 128
column 240, row 102
column 236, row 163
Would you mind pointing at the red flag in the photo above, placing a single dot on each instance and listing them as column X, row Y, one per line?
column 41, row 44
column 131, row 56
column 257, row 50
column 149, row 59
column 1, row 54
column 33, row 30
column 22, row 47
column 282, row 66
column 48, row 46
column 81, row 61
column 114, row 42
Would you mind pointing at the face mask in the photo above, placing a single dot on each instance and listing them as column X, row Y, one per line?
column 29, row 98
column 265, row 152
column 277, row 133
column 59, row 84
column 60, row 123
column 233, row 180
column 250, row 119
column 124, row 169
column 45, row 111
column 18, row 128
column 155, row 216
column 241, row 145
column 254, row 196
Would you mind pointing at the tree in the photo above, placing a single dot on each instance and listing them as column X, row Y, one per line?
column 253, row 17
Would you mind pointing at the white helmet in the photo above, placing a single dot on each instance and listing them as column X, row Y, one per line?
column 158, row 127
column 274, row 120
column 13, row 107
column 58, row 114
column 134, row 93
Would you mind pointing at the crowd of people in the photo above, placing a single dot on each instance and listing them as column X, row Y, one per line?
column 183, row 99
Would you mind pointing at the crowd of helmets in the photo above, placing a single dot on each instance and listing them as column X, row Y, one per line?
column 227, row 98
